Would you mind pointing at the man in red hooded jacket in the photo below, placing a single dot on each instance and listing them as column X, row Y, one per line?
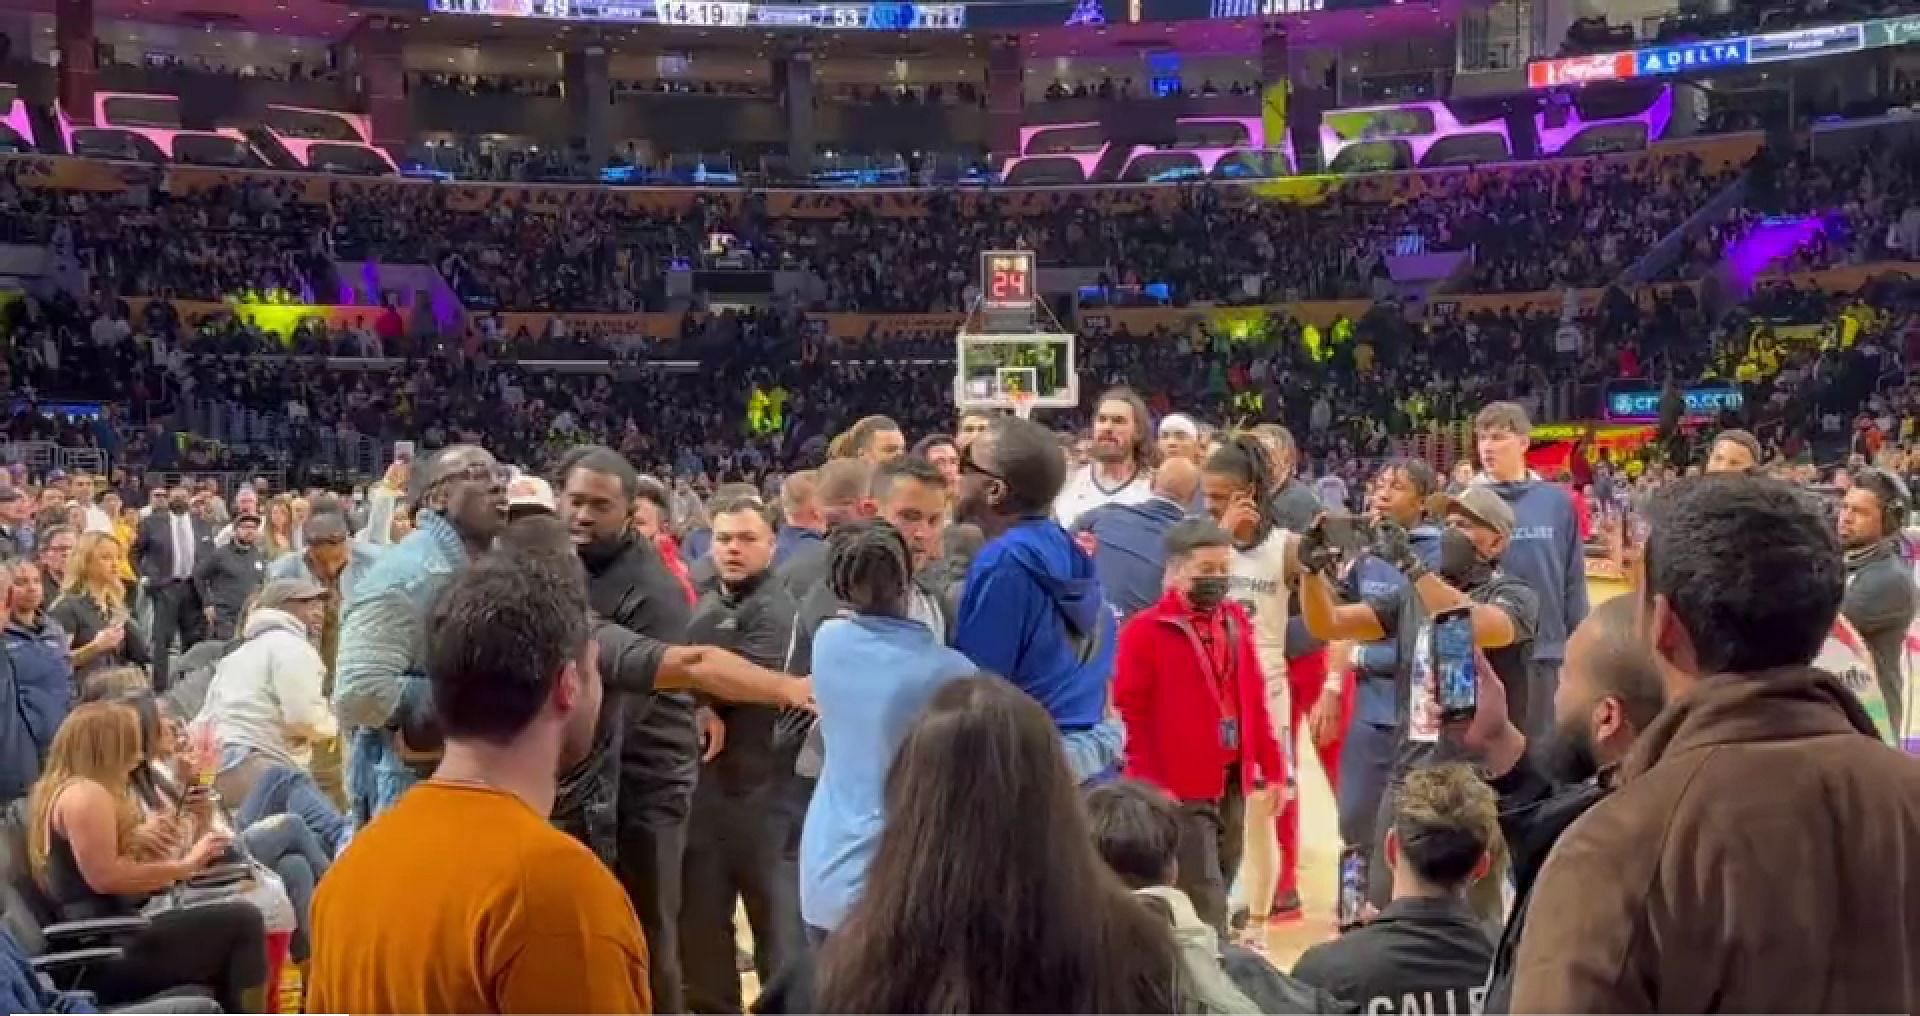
column 1189, row 688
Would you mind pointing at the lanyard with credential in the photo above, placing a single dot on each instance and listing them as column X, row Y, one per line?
column 1229, row 726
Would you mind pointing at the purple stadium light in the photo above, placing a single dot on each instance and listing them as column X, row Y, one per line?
column 21, row 122
column 1656, row 118
column 1086, row 12
column 1768, row 242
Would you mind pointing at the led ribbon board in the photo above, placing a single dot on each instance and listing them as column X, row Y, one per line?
column 889, row 17
column 1744, row 51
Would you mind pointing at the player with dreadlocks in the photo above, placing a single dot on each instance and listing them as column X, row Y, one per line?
column 874, row 670
column 1238, row 484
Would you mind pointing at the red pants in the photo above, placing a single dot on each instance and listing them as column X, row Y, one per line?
column 1305, row 677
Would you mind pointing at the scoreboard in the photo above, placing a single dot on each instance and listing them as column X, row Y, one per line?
column 889, row 17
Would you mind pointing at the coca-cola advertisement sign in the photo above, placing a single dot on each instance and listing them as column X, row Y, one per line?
column 1580, row 70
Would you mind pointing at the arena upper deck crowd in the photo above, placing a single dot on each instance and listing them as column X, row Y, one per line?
column 316, row 592
column 596, row 252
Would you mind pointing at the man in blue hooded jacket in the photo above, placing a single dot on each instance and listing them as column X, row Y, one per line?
column 1033, row 612
column 1546, row 551
column 1130, row 540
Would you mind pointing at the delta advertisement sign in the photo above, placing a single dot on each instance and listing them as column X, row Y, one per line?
column 1692, row 57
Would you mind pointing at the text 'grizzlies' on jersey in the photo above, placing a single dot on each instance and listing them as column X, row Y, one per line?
column 1259, row 585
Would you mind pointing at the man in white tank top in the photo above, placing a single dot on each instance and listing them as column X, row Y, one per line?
column 1122, row 455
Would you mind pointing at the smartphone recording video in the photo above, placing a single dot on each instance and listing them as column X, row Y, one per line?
column 1455, row 668
column 1353, row 886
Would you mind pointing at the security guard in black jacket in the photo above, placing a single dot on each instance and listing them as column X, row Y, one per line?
column 1427, row 952
column 629, row 584
column 743, row 838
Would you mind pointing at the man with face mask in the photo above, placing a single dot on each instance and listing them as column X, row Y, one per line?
column 468, row 856
column 380, row 691
column 1479, row 525
column 1190, row 691
column 1610, row 691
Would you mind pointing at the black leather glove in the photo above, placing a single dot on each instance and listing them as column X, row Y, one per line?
column 1392, row 545
column 1316, row 554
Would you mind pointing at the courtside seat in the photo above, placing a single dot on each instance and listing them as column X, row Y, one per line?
column 64, row 953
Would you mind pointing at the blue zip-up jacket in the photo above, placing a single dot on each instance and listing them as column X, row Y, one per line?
column 1032, row 613
column 360, row 559
column 380, row 674
column 43, row 671
column 1547, row 555
column 1376, row 694
column 1130, row 558
column 36, row 681
column 790, row 540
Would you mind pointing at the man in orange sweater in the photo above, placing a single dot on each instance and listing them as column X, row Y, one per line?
column 462, row 897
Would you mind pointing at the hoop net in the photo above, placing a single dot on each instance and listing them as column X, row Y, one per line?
column 1022, row 404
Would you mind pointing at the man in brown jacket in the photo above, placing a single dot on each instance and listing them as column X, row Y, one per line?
column 1761, row 852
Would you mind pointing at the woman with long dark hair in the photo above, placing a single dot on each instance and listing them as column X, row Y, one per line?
column 986, row 894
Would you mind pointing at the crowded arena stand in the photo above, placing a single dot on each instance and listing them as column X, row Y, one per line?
column 1308, row 506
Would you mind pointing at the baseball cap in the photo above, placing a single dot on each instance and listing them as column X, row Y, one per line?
column 1179, row 423
column 1482, row 504
column 529, row 491
column 246, row 517
column 280, row 592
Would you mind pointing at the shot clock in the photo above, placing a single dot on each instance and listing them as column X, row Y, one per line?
column 1006, row 280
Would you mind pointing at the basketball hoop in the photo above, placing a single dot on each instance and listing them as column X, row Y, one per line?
column 1022, row 404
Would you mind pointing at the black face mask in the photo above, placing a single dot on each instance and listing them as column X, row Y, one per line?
column 1460, row 562
column 1207, row 591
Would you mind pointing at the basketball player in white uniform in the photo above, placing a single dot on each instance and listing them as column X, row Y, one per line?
column 1265, row 559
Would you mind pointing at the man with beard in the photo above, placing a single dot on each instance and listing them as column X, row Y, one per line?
column 228, row 577
column 1610, row 691
column 630, row 584
column 380, row 691
column 1123, row 455
column 1478, row 527
column 1032, row 610
column 1756, row 853
column 1880, row 587
column 462, row 898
